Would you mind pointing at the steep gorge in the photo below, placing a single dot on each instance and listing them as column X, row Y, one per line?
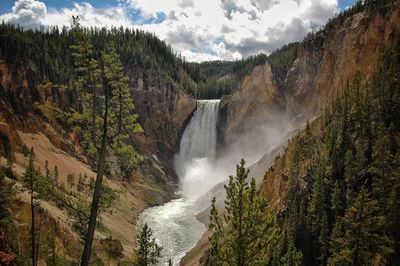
column 33, row 113
column 324, row 63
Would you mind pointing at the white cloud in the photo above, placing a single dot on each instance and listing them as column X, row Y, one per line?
column 199, row 29
column 241, row 27
column 185, row 3
column 26, row 13
column 198, row 57
column 320, row 11
column 33, row 14
column 89, row 16
column 263, row 5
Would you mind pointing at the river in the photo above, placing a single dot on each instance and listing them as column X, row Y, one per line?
column 174, row 224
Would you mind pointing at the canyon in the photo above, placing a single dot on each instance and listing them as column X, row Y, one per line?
column 189, row 147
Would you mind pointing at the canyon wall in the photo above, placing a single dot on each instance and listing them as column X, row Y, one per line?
column 162, row 107
column 34, row 113
column 324, row 63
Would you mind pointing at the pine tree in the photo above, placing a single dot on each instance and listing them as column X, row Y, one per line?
column 30, row 179
column 55, row 175
column 394, row 207
column 81, row 184
column 363, row 238
column 292, row 197
column 394, row 220
column 292, row 257
column 318, row 209
column 8, row 224
column 323, row 240
column 91, row 183
column 382, row 168
column 243, row 235
column 51, row 258
column 71, row 181
column 149, row 252
column 317, row 204
column 10, row 162
column 46, row 169
column 352, row 169
column 86, row 69
column 107, row 111
column 336, row 201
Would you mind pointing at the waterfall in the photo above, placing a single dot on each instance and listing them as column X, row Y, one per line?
column 174, row 224
column 197, row 152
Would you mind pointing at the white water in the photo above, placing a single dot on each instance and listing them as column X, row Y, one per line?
column 174, row 224
column 197, row 154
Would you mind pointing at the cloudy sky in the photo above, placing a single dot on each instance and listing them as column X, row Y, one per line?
column 198, row 29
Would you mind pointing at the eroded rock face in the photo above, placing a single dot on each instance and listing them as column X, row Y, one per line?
column 162, row 107
column 326, row 62
column 254, row 102
column 163, row 111
column 323, row 65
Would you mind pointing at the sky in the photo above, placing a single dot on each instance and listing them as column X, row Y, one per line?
column 200, row 30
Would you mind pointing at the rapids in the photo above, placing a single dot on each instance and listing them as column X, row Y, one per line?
column 174, row 224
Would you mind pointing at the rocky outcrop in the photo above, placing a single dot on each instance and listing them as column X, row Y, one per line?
column 323, row 65
column 328, row 60
column 163, row 111
column 254, row 102
column 29, row 117
column 163, row 108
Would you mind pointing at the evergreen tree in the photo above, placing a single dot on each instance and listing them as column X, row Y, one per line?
column 317, row 204
column 87, row 73
column 243, row 235
column 363, row 239
column 81, row 184
column 149, row 252
column 71, row 181
column 293, row 195
column 382, row 167
column 55, row 175
column 323, row 240
column 46, row 169
column 8, row 224
column 91, row 183
column 9, row 156
column 394, row 221
column 292, row 257
column 51, row 258
column 336, row 201
column 107, row 111
column 30, row 179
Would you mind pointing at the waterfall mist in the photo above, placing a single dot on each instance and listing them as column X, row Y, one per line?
column 198, row 164
column 202, row 170
column 197, row 155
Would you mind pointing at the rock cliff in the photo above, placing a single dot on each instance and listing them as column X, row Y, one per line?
column 163, row 110
column 162, row 107
column 325, row 61
column 253, row 103
column 33, row 113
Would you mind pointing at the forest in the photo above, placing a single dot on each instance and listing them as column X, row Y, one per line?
column 340, row 172
column 46, row 54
